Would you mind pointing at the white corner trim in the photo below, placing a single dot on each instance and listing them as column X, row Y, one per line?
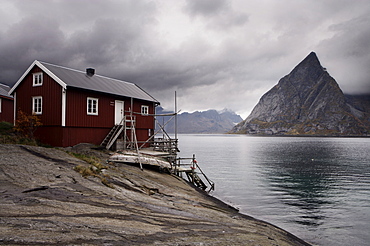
column 64, row 101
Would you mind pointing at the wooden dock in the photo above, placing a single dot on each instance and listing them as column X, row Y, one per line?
column 143, row 158
column 193, row 173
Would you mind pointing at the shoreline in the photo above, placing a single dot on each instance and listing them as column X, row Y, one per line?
column 45, row 202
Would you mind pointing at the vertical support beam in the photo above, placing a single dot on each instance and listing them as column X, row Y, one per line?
column 176, row 117
column 193, row 169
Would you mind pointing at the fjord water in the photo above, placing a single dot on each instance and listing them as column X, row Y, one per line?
column 316, row 188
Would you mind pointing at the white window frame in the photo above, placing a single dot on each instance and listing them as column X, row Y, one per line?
column 1, row 104
column 144, row 110
column 37, row 79
column 90, row 110
column 37, row 105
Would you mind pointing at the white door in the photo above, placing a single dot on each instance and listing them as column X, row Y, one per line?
column 119, row 112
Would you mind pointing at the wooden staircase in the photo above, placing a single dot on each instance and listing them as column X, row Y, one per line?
column 194, row 173
column 127, row 125
column 195, row 179
column 112, row 136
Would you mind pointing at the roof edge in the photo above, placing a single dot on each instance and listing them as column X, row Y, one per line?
column 154, row 100
column 7, row 97
column 43, row 68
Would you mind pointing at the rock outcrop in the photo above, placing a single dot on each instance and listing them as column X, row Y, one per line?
column 307, row 101
column 43, row 201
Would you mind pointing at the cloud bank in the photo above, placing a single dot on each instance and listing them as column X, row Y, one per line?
column 214, row 53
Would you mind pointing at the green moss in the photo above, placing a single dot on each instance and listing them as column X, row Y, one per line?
column 94, row 168
column 89, row 159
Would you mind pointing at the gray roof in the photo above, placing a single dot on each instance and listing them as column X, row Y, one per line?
column 68, row 77
column 4, row 89
column 79, row 79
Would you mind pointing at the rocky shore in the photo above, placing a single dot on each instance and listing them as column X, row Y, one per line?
column 45, row 201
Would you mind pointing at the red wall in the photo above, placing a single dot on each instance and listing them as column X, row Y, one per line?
column 51, row 93
column 77, row 116
column 94, row 128
column 7, row 110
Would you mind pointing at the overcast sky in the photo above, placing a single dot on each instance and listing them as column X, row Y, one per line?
column 215, row 53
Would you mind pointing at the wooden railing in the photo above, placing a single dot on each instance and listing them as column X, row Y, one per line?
column 194, row 173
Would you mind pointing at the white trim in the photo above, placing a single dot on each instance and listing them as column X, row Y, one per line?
column 97, row 105
column 43, row 68
column 64, row 106
column 1, row 104
column 36, row 80
column 144, row 110
column 33, row 105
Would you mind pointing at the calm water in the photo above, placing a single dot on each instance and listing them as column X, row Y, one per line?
column 315, row 188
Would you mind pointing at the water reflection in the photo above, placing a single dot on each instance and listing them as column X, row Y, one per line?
column 316, row 188
column 304, row 174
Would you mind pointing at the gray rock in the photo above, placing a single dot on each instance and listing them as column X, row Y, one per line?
column 307, row 101
column 44, row 201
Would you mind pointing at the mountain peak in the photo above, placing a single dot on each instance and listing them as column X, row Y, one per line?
column 311, row 60
column 312, row 56
column 209, row 121
column 307, row 101
column 308, row 70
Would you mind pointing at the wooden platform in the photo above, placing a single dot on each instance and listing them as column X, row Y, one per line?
column 142, row 158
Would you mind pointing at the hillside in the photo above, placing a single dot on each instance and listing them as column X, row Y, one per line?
column 308, row 101
column 210, row 121
column 44, row 201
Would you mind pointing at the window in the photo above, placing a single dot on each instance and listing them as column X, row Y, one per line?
column 37, row 79
column 144, row 110
column 92, row 106
column 37, row 105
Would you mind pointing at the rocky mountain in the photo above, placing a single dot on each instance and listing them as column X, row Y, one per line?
column 210, row 121
column 308, row 101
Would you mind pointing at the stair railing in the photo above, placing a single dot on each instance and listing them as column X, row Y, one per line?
column 192, row 174
column 113, row 134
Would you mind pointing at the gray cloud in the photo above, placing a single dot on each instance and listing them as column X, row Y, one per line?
column 218, row 14
column 215, row 53
column 206, row 7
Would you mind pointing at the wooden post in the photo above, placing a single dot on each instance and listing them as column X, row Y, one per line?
column 176, row 117
column 193, row 169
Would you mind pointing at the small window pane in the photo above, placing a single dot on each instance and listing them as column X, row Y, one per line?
column 92, row 106
column 37, row 79
column 144, row 110
column 37, row 105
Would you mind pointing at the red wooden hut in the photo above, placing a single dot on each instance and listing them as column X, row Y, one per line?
column 6, row 104
column 80, row 107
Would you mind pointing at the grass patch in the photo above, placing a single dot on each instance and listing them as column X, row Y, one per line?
column 89, row 159
column 94, row 168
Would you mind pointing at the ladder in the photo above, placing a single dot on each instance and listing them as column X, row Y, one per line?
column 130, row 141
column 127, row 125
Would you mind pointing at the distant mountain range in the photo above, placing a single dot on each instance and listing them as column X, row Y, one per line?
column 210, row 121
column 308, row 101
